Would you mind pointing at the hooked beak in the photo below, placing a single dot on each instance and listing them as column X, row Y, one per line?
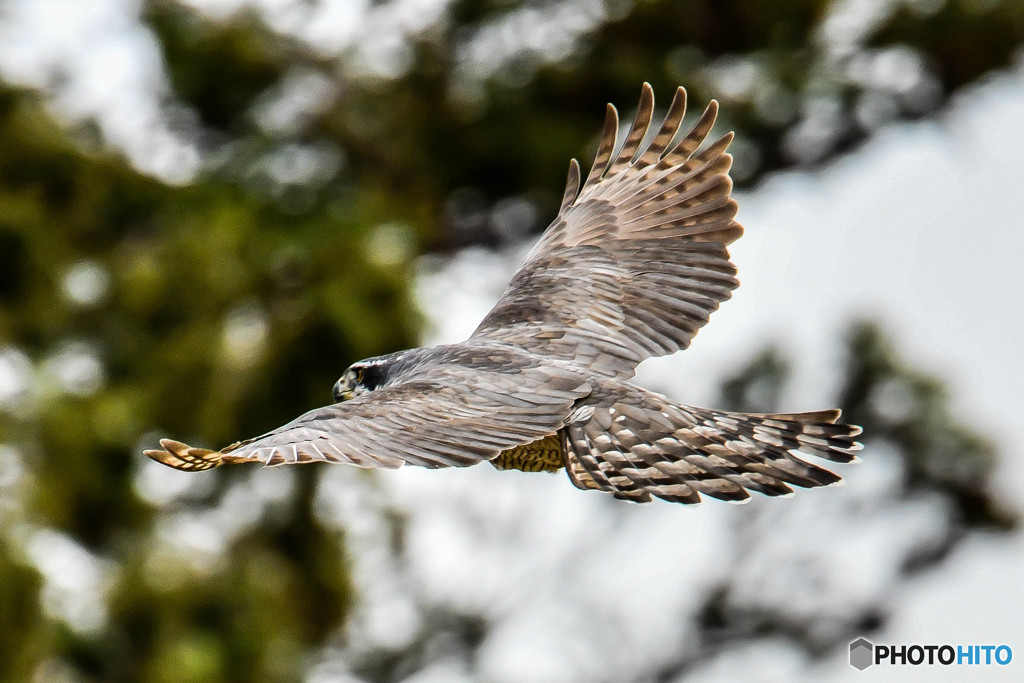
column 341, row 392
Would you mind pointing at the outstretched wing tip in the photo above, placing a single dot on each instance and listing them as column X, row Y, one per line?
column 611, row 122
column 678, row 100
column 180, row 456
column 609, row 135
column 158, row 455
column 646, row 93
column 572, row 185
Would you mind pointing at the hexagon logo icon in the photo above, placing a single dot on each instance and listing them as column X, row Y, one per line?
column 862, row 653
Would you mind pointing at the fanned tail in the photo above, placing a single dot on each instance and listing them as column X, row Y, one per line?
column 649, row 446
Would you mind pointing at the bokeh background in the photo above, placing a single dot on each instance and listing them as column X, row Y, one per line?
column 209, row 208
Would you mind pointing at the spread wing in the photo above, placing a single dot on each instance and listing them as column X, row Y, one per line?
column 442, row 415
column 636, row 262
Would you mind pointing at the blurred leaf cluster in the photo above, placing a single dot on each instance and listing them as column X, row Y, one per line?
column 219, row 307
column 488, row 100
column 132, row 305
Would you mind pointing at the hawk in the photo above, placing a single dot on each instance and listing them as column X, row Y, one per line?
column 632, row 267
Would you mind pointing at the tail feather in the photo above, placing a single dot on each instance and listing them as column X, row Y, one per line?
column 644, row 445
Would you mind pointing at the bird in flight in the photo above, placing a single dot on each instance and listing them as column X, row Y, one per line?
column 632, row 266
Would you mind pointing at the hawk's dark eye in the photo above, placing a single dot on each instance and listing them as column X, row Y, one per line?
column 359, row 376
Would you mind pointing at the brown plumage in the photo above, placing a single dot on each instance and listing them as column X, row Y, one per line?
column 632, row 267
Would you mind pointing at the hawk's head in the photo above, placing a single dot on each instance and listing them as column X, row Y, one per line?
column 360, row 378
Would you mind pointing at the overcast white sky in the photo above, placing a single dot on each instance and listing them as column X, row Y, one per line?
column 944, row 200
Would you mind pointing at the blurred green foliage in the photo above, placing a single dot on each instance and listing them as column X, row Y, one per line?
column 225, row 306
column 912, row 411
column 182, row 263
